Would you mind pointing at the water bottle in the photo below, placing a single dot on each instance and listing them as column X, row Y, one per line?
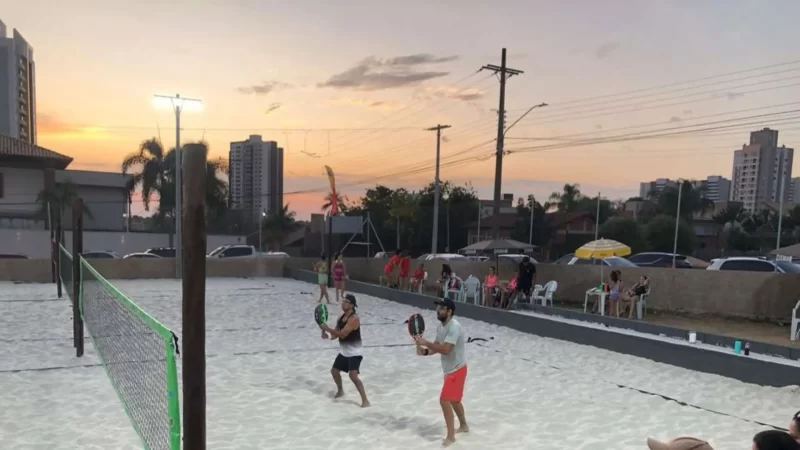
column 746, row 348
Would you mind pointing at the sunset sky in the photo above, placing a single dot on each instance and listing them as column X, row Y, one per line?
column 352, row 84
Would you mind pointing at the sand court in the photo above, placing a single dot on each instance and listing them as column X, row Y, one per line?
column 269, row 385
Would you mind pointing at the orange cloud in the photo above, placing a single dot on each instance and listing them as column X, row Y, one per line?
column 49, row 125
column 366, row 103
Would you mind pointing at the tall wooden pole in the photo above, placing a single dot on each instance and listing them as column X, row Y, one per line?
column 57, row 246
column 194, row 297
column 77, row 250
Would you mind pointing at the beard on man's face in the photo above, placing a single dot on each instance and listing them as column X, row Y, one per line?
column 441, row 315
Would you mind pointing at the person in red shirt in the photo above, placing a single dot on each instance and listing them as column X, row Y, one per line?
column 386, row 279
column 419, row 277
column 405, row 270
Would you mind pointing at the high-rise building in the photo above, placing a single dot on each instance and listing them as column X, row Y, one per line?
column 794, row 194
column 655, row 187
column 17, row 87
column 760, row 169
column 715, row 188
column 256, row 176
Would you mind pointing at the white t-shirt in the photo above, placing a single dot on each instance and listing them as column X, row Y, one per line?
column 451, row 334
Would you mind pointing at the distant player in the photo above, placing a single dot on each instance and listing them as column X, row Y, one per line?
column 348, row 331
column 450, row 343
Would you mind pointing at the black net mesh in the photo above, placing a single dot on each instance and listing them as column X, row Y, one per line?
column 65, row 270
column 134, row 356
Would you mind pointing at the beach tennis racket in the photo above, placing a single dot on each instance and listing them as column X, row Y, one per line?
column 416, row 325
column 321, row 314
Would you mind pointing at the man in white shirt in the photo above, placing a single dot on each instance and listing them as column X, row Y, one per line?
column 450, row 344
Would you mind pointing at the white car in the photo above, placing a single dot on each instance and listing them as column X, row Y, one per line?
column 141, row 256
column 234, row 251
column 515, row 258
column 750, row 264
column 445, row 257
column 614, row 261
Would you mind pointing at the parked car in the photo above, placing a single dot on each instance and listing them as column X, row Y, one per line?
column 234, row 251
column 141, row 255
column 614, row 261
column 164, row 252
column 659, row 259
column 13, row 256
column 445, row 257
column 478, row 258
column 275, row 255
column 100, row 254
column 751, row 264
column 565, row 259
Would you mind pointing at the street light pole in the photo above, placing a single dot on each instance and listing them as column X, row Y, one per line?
column 677, row 222
column 260, row 226
column 530, row 234
column 178, row 104
column 780, row 209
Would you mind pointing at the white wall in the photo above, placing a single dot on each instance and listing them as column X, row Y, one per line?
column 20, row 189
column 35, row 243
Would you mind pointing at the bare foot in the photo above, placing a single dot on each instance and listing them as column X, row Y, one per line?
column 339, row 394
column 365, row 404
column 463, row 429
column 448, row 442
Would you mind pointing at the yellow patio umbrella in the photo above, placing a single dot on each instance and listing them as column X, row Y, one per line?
column 601, row 249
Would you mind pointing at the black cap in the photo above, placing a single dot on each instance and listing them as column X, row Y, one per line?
column 351, row 299
column 447, row 303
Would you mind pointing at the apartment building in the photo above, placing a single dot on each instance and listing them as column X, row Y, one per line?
column 762, row 171
column 17, row 87
column 256, row 176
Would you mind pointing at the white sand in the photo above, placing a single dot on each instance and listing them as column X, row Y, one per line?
column 269, row 385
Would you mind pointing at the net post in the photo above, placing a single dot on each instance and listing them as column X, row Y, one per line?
column 57, row 247
column 194, row 300
column 77, row 279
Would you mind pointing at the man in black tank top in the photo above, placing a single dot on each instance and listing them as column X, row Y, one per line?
column 348, row 331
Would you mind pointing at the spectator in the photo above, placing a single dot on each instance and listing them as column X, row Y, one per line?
column 446, row 278
column 490, row 287
column 794, row 426
column 614, row 288
column 419, row 277
column 405, row 270
column 387, row 279
column 774, row 440
column 634, row 293
column 509, row 294
column 681, row 443
column 526, row 276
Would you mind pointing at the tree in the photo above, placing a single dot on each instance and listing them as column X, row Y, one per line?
column 403, row 212
column 660, row 235
column 624, row 230
column 340, row 203
column 157, row 176
column 542, row 231
column 278, row 225
column 59, row 199
column 692, row 201
column 567, row 200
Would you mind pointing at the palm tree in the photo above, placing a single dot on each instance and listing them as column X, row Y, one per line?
column 157, row 175
column 278, row 225
column 340, row 202
column 59, row 199
column 568, row 199
column 403, row 210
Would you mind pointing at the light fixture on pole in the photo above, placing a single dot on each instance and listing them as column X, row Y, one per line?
column 260, row 227
column 677, row 222
column 178, row 104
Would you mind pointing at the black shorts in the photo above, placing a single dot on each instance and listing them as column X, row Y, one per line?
column 348, row 363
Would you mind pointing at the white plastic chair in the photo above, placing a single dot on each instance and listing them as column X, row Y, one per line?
column 457, row 292
column 641, row 304
column 546, row 293
column 472, row 289
column 795, row 322
column 421, row 287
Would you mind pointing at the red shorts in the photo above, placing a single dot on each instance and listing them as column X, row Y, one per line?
column 403, row 274
column 453, row 389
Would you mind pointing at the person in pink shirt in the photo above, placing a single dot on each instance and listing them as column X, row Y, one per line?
column 490, row 289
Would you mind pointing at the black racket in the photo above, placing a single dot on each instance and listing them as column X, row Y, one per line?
column 416, row 325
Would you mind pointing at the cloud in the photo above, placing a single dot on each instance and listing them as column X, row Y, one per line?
column 445, row 139
column 466, row 95
column 733, row 95
column 264, row 88
column 373, row 74
column 49, row 124
column 605, row 50
column 366, row 103
column 273, row 107
column 687, row 112
column 675, row 119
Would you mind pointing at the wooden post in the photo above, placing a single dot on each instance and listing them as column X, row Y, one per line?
column 57, row 246
column 77, row 249
column 194, row 297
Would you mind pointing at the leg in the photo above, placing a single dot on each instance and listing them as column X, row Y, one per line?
column 321, row 293
column 458, row 407
column 336, row 371
column 449, row 421
column 359, row 387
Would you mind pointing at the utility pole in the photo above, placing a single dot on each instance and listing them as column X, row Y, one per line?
column 436, row 187
column 504, row 73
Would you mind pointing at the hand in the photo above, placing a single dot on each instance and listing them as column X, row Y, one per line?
column 421, row 342
column 324, row 335
column 420, row 351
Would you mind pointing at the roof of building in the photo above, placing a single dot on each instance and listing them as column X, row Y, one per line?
column 97, row 179
column 12, row 148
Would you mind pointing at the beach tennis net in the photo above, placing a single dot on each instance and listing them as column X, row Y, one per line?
column 138, row 354
column 65, row 270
